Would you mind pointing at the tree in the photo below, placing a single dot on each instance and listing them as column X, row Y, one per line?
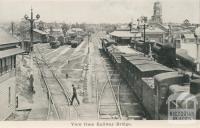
column 23, row 29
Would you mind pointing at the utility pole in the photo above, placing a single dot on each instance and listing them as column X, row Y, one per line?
column 88, row 42
column 144, row 21
column 12, row 28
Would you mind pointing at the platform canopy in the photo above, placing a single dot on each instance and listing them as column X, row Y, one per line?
column 10, row 52
column 122, row 34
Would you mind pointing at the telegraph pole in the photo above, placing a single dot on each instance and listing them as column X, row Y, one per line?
column 88, row 42
column 12, row 28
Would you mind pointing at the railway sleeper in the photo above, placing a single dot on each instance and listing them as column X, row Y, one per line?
column 107, row 111
column 114, row 116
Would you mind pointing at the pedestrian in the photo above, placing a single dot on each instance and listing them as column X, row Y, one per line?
column 74, row 95
column 31, row 80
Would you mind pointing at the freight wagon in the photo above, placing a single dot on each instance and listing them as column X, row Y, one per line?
column 153, row 83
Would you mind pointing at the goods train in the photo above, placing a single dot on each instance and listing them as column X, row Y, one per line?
column 158, row 88
column 76, row 41
column 73, row 40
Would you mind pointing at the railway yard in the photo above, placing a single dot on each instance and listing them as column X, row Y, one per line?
column 140, row 70
column 101, row 91
column 115, row 82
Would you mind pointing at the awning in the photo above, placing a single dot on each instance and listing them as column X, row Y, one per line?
column 10, row 52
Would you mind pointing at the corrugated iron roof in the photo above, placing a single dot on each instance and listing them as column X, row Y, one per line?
column 6, row 38
column 122, row 34
column 9, row 52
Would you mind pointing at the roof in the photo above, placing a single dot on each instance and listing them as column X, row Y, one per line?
column 152, row 67
column 144, row 64
column 122, row 34
column 154, row 30
column 183, row 53
column 182, row 97
column 77, row 29
column 55, row 30
column 189, row 36
column 142, row 61
column 126, row 49
column 9, row 52
column 179, row 88
column 134, row 57
column 163, row 76
column 40, row 31
column 6, row 38
column 108, row 40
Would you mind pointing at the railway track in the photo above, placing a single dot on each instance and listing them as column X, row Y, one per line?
column 108, row 103
column 126, row 104
column 109, row 107
column 58, row 95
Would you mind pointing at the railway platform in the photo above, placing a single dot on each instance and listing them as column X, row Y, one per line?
column 39, row 109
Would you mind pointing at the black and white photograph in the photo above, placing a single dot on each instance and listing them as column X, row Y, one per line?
column 99, row 60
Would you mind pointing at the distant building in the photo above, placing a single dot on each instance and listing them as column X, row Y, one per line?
column 78, row 31
column 122, row 37
column 188, row 38
column 40, row 36
column 55, row 32
column 8, row 53
column 156, row 34
column 157, row 13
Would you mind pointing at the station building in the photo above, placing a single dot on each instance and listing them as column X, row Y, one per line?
column 122, row 37
column 8, row 51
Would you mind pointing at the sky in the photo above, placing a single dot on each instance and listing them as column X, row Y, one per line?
column 99, row 11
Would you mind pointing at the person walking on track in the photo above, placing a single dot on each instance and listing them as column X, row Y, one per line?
column 74, row 95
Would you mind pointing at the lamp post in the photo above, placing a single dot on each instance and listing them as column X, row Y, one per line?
column 31, row 20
